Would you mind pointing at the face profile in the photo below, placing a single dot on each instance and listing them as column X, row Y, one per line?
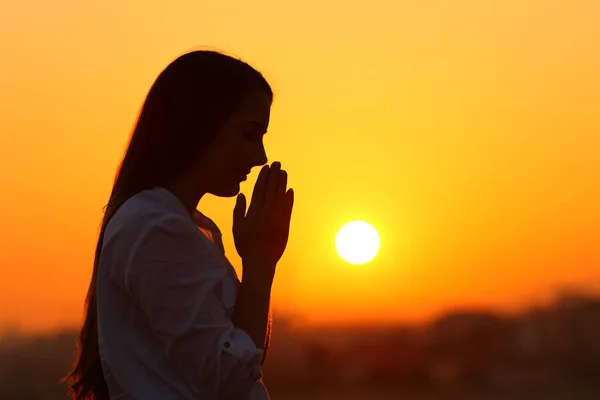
column 237, row 148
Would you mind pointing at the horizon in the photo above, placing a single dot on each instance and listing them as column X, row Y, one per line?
column 297, row 323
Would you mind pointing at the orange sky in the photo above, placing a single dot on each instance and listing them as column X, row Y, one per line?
column 467, row 133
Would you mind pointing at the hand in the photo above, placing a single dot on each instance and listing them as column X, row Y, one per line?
column 261, row 235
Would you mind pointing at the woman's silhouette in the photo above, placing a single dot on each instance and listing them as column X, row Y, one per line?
column 166, row 315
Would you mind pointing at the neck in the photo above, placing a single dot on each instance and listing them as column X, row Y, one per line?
column 188, row 193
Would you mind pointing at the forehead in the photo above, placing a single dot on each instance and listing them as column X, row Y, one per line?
column 256, row 107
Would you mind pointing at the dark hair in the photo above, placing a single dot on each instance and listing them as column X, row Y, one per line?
column 184, row 110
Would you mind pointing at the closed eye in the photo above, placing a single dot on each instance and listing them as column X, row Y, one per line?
column 251, row 136
column 255, row 127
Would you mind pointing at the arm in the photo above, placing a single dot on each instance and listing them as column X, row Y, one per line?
column 267, row 339
column 174, row 277
column 252, row 307
column 248, row 301
column 254, row 296
column 252, row 311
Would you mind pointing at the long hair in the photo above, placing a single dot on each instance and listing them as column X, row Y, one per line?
column 187, row 105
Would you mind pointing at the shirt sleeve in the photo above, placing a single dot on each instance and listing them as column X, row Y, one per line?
column 175, row 278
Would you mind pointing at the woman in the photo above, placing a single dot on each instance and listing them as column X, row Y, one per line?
column 166, row 316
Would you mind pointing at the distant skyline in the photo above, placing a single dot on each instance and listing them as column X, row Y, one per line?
column 467, row 134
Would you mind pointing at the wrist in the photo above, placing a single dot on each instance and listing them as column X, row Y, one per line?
column 258, row 274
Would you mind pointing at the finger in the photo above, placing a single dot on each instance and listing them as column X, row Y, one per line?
column 281, row 188
column 258, row 194
column 239, row 211
column 272, row 183
column 289, row 205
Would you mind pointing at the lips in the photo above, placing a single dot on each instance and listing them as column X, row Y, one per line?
column 244, row 175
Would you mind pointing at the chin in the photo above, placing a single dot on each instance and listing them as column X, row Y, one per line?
column 226, row 191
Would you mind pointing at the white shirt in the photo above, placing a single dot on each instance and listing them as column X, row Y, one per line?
column 166, row 295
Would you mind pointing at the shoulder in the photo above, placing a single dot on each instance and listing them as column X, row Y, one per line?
column 151, row 213
column 152, row 238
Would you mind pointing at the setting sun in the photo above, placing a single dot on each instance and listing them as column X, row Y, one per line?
column 357, row 242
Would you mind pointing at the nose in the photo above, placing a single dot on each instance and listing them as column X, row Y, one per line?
column 260, row 157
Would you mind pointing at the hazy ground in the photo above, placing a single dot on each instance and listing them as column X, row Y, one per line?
column 335, row 394
column 545, row 354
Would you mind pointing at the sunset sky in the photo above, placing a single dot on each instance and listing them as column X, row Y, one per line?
column 466, row 132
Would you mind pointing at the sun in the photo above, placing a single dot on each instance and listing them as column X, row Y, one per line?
column 357, row 242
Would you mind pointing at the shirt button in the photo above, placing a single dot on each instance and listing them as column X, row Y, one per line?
column 227, row 345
